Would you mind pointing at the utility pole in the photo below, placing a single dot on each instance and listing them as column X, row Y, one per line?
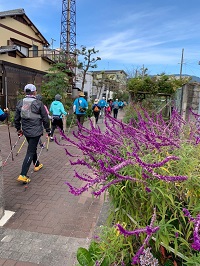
column 52, row 41
column 181, row 64
column 142, row 71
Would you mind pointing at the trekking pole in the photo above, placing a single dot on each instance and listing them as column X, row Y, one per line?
column 48, row 139
column 10, row 139
column 20, row 147
column 71, row 124
column 11, row 152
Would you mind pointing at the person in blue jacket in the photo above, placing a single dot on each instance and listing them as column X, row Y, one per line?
column 3, row 114
column 57, row 110
column 121, row 105
column 80, row 106
column 102, row 104
column 115, row 108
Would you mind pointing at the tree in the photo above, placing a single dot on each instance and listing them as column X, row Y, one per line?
column 155, row 84
column 56, row 81
column 88, row 61
column 135, row 72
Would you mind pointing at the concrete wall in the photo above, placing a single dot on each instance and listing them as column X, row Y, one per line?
column 190, row 100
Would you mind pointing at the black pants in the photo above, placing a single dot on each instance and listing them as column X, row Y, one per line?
column 115, row 113
column 31, row 154
column 56, row 123
column 96, row 115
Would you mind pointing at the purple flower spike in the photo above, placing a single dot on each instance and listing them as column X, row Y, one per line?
column 196, row 237
column 148, row 189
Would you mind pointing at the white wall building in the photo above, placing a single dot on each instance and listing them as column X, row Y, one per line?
column 87, row 85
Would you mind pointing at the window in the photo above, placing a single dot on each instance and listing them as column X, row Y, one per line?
column 23, row 49
column 35, row 50
column 21, row 46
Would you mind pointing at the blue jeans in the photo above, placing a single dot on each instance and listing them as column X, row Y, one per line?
column 31, row 154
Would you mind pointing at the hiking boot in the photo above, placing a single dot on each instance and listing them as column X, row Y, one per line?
column 51, row 139
column 23, row 179
column 37, row 168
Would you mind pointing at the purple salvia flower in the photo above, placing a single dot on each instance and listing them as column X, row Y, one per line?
column 176, row 235
column 148, row 189
column 155, row 165
column 196, row 238
column 149, row 230
column 187, row 214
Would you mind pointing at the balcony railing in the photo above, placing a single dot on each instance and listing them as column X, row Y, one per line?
column 53, row 55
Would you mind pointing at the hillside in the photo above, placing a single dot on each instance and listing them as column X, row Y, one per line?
column 194, row 78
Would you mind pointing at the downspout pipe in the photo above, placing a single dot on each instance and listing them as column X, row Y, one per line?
column 5, row 84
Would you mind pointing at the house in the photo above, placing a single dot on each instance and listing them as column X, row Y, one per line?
column 105, row 82
column 24, row 55
column 87, row 88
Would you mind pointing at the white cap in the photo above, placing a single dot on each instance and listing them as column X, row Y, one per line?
column 30, row 87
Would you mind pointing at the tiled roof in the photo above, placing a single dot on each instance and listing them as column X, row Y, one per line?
column 21, row 12
column 12, row 12
column 6, row 49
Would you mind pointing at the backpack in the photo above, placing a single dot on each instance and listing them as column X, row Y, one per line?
column 96, row 109
column 108, row 109
column 27, row 110
column 116, row 106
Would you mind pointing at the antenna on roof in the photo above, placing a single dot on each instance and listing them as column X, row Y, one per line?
column 52, row 40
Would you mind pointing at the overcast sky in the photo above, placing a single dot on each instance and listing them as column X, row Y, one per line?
column 129, row 33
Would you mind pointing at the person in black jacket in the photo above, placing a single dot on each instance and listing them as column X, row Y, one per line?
column 30, row 118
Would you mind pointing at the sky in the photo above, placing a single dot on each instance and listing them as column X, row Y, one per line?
column 129, row 34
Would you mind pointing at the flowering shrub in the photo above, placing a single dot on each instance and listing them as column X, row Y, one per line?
column 145, row 165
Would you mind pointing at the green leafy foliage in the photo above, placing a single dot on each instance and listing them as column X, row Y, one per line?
column 55, row 82
column 84, row 257
column 109, row 248
column 155, row 84
column 133, row 202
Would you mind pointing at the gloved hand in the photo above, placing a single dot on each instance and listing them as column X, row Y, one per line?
column 6, row 110
column 48, row 132
column 20, row 133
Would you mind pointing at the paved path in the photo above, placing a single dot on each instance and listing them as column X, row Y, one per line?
column 49, row 223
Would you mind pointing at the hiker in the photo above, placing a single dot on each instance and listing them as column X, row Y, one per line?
column 80, row 106
column 30, row 118
column 110, row 104
column 3, row 114
column 39, row 97
column 102, row 104
column 115, row 108
column 121, row 105
column 108, row 109
column 57, row 110
column 96, row 110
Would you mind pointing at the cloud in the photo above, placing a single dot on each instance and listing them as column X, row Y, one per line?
column 148, row 39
